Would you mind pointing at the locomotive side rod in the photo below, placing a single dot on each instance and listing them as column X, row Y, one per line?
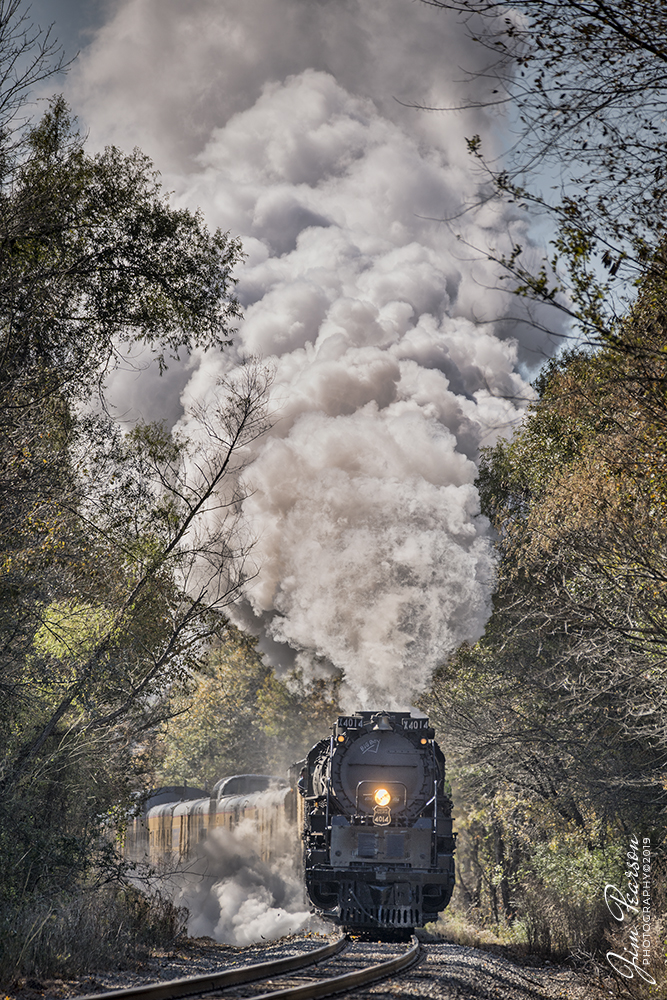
column 350, row 981
column 196, row 985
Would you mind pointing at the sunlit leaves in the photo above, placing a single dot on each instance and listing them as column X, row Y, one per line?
column 236, row 716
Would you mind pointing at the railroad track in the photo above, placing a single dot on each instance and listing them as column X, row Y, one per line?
column 212, row 983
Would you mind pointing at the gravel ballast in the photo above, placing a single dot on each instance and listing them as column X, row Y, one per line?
column 446, row 972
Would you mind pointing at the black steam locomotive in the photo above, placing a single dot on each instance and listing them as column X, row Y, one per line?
column 376, row 821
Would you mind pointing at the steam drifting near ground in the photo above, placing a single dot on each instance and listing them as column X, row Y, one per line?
column 283, row 122
column 235, row 897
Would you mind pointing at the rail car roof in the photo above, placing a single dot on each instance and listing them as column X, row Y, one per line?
column 173, row 793
column 245, row 784
column 192, row 807
column 268, row 799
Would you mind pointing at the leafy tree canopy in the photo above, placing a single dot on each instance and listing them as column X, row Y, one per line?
column 236, row 716
column 93, row 257
column 555, row 722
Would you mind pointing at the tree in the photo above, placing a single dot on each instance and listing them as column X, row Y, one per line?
column 236, row 716
column 28, row 56
column 295, row 715
column 554, row 723
column 580, row 499
column 161, row 516
column 118, row 551
column 583, row 87
column 93, row 257
column 533, row 843
column 215, row 728
column 148, row 558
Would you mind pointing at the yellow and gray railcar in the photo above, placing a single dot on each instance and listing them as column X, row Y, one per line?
column 177, row 820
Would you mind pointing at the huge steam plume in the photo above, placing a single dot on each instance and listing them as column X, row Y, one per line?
column 283, row 120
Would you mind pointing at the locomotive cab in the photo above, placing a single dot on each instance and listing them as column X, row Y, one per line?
column 377, row 823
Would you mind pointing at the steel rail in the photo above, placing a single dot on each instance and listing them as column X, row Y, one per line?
column 194, row 985
column 349, row 981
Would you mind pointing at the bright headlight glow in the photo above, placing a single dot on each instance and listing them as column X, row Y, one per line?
column 382, row 797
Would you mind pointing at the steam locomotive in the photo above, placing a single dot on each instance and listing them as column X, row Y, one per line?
column 370, row 802
column 376, row 822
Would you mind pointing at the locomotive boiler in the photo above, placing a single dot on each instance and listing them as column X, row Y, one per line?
column 376, row 823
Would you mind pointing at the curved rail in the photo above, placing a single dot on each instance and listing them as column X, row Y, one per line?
column 348, row 981
column 194, row 985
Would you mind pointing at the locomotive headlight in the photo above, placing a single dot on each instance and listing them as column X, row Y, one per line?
column 382, row 797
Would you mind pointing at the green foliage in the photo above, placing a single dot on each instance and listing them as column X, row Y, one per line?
column 295, row 716
column 104, row 606
column 69, row 630
column 561, row 895
column 569, row 872
column 235, row 716
column 554, row 723
column 94, row 256
column 214, row 730
column 119, row 615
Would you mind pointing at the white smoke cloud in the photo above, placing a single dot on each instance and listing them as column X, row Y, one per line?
column 391, row 366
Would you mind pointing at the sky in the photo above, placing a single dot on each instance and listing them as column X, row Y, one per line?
column 395, row 354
